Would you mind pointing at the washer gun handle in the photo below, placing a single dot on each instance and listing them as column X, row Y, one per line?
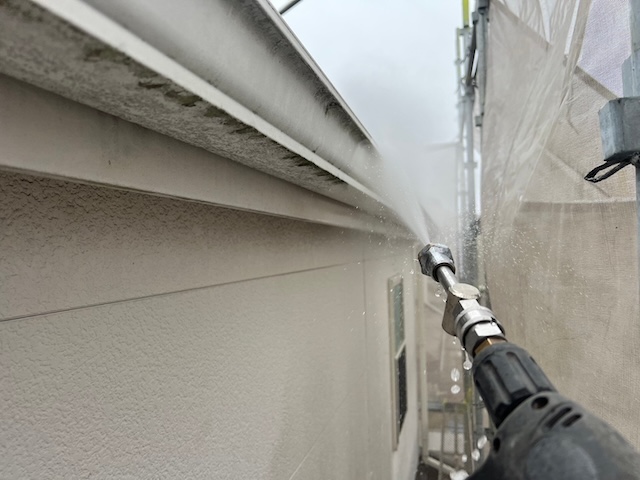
column 540, row 434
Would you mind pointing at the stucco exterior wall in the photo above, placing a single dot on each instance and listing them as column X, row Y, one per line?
column 149, row 337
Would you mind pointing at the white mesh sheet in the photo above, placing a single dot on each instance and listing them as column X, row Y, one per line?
column 559, row 252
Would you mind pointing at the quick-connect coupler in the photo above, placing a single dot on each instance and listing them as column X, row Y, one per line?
column 464, row 317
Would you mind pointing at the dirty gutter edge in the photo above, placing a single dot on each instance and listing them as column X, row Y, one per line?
column 104, row 29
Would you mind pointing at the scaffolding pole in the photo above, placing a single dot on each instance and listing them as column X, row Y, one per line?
column 631, row 82
column 468, row 212
column 472, row 76
column 481, row 22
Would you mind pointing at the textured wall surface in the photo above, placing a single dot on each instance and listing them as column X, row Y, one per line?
column 146, row 337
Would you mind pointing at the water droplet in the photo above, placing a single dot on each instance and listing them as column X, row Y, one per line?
column 475, row 454
column 455, row 374
column 455, row 389
column 482, row 441
column 439, row 291
column 467, row 364
column 464, row 458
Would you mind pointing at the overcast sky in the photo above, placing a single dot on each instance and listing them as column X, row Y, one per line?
column 393, row 61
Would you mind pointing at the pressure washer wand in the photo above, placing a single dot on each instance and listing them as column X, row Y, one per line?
column 540, row 434
column 475, row 326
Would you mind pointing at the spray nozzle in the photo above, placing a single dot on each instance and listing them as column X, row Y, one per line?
column 434, row 256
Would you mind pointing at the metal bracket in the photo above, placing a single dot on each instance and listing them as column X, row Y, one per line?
column 460, row 297
column 620, row 128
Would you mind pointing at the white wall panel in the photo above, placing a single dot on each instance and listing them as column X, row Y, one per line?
column 192, row 341
column 341, row 451
column 236, row 381
column 69, row 245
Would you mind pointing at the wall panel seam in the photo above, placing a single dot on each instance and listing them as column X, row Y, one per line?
column 172, row 292
column 328, row 423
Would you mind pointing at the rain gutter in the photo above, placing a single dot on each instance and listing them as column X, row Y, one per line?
column 104, row 20
column 226, row 76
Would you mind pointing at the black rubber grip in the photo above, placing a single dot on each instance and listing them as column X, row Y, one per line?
column 506, row 376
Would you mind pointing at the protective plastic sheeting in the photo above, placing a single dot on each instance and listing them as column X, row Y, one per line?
column 559, row 252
